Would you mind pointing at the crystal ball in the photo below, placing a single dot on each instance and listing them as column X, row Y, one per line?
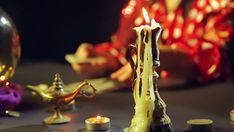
column 9, row 47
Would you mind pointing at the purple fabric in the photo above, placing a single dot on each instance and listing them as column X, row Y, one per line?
column 10, row 96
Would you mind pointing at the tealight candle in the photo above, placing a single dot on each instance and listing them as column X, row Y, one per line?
column 97, row 123
column 232, row 115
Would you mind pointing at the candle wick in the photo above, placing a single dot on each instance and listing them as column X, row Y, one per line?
column 99, row 117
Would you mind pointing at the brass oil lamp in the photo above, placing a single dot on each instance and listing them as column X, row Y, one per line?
column 58, row 96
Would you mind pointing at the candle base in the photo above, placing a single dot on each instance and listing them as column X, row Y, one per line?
column 97, row 123
column 98, row 127
column 161, row 128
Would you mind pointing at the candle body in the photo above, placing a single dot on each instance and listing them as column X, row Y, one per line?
column 149, row 107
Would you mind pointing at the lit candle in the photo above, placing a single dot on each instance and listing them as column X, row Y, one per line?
column 97, row 123
column 147, row 57
column 150, row 113
column 232, row 115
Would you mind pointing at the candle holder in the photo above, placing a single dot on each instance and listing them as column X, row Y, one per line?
column 58, row 96
column 97, row 123
column 150, row 109
column 231, row 115
column 200, row 125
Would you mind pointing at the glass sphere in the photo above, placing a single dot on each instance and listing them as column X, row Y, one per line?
column 9, row 47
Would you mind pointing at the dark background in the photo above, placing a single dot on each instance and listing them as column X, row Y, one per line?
column 51, row 28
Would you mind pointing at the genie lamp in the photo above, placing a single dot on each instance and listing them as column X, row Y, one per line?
column 58, row 96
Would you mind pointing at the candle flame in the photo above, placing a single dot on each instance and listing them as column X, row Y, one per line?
column 10, row 68
column 99, row 117
column 3, row 66
column 2, row 78
column 146, row 16
column 7, row 83
column 154, row 24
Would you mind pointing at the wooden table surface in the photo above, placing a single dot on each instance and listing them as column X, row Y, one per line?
column 213, row 101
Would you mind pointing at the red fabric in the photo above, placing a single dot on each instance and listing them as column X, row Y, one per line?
column 200, row 31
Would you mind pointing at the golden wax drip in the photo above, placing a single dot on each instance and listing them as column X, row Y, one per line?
column 150, row 109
